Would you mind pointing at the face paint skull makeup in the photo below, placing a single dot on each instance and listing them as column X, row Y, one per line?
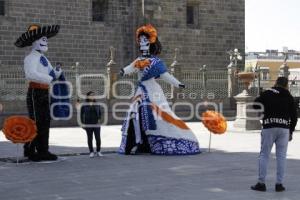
column 144, row 45
column 41, row 44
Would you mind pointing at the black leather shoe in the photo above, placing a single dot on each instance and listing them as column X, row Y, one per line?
column 47, row 156
column 52, row 155
column 34, row 157
column 279, row 188
column 259, row 187
column 26, row 152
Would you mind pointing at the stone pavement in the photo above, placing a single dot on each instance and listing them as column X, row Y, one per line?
column 225, row 173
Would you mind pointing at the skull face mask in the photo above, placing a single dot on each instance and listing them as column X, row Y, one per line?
column 41, row 44
column 144, row 45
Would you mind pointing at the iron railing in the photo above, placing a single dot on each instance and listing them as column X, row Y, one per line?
column 199, row 85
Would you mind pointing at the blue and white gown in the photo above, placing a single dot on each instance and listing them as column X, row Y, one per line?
column 166, row 134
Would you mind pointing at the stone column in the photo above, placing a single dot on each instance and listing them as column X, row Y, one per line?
column 112, row 73
column 232, row 80
column 284, row 70
column 257, row 70
column 246, row 117
column 234, row 57
column 204, row 80
column 76, row 81
column 175, row 71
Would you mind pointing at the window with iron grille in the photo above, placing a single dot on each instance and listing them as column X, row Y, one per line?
column 192, row 14
column 2, row 7
column 99, row 10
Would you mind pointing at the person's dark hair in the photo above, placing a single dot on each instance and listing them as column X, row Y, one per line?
column 89, row 94
column 155, row 48
column 282, row 82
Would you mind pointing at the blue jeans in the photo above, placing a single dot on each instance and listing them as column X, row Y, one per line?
column 279, row 136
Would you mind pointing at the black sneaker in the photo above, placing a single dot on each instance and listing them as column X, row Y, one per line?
column 279, row 188
column 259, row 187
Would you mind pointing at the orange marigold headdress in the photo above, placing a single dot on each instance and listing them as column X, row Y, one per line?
column 149, row 30
column 214, row 122
column 19, row 129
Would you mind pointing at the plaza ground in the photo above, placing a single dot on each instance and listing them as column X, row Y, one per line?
column 225, row 173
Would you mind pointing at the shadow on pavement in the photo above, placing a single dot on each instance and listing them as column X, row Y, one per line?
column 217, row 175
column 9, row 151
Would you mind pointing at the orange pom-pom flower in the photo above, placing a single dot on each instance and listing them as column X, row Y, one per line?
column 214, row 122
column 141, row 64
column 19, row 129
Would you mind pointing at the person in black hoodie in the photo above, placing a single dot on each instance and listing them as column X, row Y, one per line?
column 90, row 114
column 279, row 121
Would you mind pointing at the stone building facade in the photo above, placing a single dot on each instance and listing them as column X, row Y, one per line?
column 202, row 30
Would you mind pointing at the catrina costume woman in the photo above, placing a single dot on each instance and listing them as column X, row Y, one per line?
column 150, row 125
column 40, row 74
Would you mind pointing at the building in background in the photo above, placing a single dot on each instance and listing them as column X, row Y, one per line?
column 202, row 31
column 271, row 61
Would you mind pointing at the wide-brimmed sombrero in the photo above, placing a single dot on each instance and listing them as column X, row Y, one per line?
column 34, row 33
column 148, row 30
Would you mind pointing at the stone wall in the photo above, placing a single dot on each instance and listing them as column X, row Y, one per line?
column 220, row 26
column 80, row 39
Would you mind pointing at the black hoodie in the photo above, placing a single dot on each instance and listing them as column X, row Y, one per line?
column 90, row 114
column 279, row 108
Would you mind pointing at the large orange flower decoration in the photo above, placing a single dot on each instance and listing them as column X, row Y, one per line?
column 149, row 30
column 141, row 64
column 19, row 129
column 214, row 122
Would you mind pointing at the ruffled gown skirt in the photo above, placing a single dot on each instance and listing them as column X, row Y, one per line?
column 171, row 136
